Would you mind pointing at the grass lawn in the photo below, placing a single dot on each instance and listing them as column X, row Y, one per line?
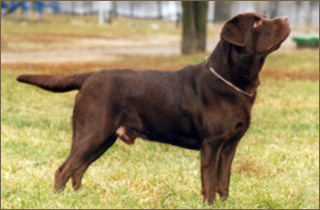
column 276, row 165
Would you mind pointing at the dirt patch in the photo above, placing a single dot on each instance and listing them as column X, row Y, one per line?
column 72, row 67
column 88, row 49
column 81, row 67
column 83, row 55
column 277, row 74
column 56, row 56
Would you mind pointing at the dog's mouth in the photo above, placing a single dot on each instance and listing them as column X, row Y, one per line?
column 284, row 32
column 284, row 28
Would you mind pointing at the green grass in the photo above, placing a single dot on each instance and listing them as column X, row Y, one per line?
column 87, row 26
column 302, row 61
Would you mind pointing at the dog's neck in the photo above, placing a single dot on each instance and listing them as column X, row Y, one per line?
column 241, row 69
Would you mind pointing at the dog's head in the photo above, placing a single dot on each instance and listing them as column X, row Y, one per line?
column 255, row 33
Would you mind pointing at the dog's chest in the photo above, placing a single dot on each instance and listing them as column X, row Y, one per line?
column 224, row 121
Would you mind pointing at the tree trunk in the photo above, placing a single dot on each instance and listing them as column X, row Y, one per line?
column 73, row 9
column 274, row 9
column 201, row 8
column 159, row 10
column 188, row 28
column 132, row 4
column 297, row 14
column 194, row 21
column 312, row 4
column 114, row 9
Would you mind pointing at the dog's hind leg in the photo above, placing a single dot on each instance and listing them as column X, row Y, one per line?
column 92, row 126
column 79, row 156
column 77, row 176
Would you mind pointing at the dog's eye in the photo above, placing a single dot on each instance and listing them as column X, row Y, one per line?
column 257, row 23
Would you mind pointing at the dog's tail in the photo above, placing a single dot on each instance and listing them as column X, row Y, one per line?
column 55, row 83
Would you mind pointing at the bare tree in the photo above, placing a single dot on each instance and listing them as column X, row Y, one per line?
column 73, row 7
column 159, row 5
column 274, row 5
column 114, row 9
column 312, row 4
column 132, row 5
column 222, row 10
column 298, row 4
column 194, row 21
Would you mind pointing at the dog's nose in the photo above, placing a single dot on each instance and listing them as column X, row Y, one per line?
column 284, row 19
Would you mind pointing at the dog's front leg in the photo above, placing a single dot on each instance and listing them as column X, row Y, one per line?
column 210, row 152
column 224, row 167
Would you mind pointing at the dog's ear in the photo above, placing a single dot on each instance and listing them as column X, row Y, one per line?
column 237, row 30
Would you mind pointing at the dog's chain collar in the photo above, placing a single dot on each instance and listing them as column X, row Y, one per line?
column 229, row 83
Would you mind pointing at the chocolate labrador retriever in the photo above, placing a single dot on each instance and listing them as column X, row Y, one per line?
column 202, row 107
